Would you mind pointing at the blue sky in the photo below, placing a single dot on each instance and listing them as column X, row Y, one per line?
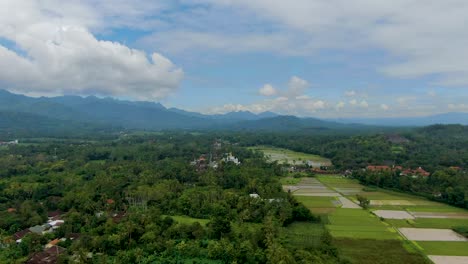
column 336, row 58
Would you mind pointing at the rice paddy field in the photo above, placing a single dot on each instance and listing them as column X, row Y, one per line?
column 370, row 251
column 359, row 224
column 291, row 157
column 302, row 235
column 363, row 237
column 444, row 248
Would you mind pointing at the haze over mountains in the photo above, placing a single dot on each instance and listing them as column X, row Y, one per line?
column 68, row 112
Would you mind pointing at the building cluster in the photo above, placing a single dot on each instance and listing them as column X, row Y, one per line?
column 214, row 158
column 51, row 250
column 209, row 161
column 415, row 173
column 54, row 221
column 7, row 143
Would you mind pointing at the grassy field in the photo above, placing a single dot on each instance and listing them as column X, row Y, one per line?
column 288, row 156
column 302, row 235
column 429, row 223
column 189, row 220
column 357, row 223
column 369, row 251
column 316, row 201
column 364, row 238
column 290, row 181
column 453, row 248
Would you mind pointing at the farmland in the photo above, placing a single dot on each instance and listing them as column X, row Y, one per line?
column 291, row 157
column 364, row 237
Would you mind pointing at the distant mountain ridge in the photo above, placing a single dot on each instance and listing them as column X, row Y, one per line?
column 444, row 119
column 119, row 113
column 97, row 112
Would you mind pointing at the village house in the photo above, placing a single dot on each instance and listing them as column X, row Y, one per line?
column 254, row 195
column 415, row 173
column 48, row 256
column 201, row 163
column 14, row 142
column 18, row 236
column 404, row 172
column 230, row 158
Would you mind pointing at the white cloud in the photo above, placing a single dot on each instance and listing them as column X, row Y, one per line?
column 56, row 53
column 432, row 93
column 404, row 100
column 296, row 86
column 353, row 102
column 340, row 105
column 458, row 107
column 384, row 107
column 425, row 37
column 363, row 104
column 183, row 41
column 292, row 100
column 350, row 93
column 267, row 90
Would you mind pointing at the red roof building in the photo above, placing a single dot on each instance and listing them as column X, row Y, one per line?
column 21, row 234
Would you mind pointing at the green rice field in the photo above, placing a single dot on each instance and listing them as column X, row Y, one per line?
column 288, row 156
column 370, row 251
column 449, row 248
column 316, row 202
column 303, row 235
column 358, row 223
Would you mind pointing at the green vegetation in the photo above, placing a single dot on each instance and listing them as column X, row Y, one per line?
column 316, row 201
column 462, row 230
column 303, row 235
column 452, row 248
column 189, row 220
column 290, row 181
column 369, row 251
column 356, row 223
column 139, row 199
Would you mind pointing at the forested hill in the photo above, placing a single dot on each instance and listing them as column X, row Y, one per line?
column 73, row 111
column 14, row 125
column 54, row 114
column 431, row 147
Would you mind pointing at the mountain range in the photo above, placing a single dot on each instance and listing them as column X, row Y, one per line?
column 67, row 112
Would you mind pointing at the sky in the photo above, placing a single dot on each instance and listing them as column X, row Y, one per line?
column 318, row 58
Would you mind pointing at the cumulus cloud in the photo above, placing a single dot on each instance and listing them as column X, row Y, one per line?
column 296, row 86
column 427, row 37
column 350, row 93
column 267, row 90
column 458, row 107
column 340, row 105
column 291, row 100
column 55, row 53
column 363, row 104
column 384, row 107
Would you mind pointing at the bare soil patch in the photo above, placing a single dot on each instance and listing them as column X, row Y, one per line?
column 431, row 234
column 448, row 259
column 348, row 204
column 390, row 202
column 393, row 214
column 440, row 215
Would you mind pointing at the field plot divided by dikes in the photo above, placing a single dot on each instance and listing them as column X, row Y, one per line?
column 448, row 259
column 431, row 234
